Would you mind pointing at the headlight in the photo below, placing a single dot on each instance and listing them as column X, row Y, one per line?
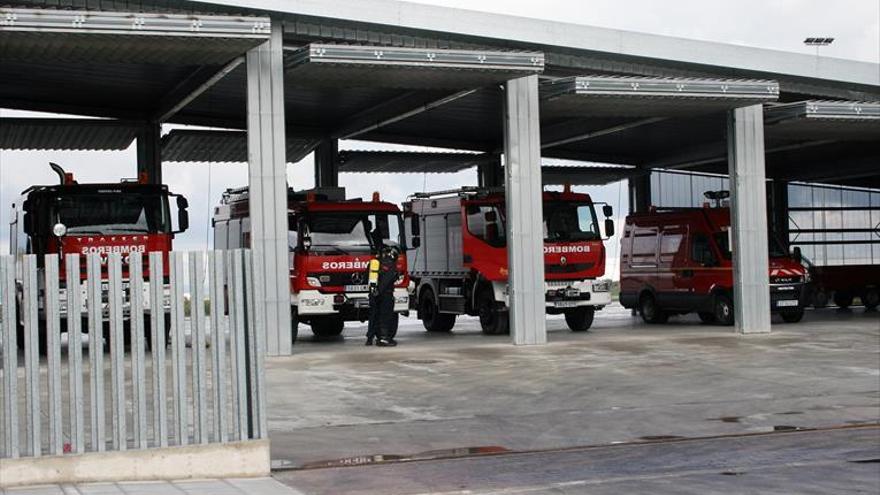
column 313, row 281
column 601, row 286
column 311, row 302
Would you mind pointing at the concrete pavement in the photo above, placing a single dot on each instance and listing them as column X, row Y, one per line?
column 254, row 486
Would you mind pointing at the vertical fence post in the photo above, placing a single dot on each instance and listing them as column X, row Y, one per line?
column 10, row 356
column 178, row 350
column 31, row 354
column 256, row 345
column 53, row 352
column 74, row 351
column 157, row 337
column 197, row 325
column 96, row 352
column 115, row 299
column 239, row 351
column 136, row 327
column 218, row 347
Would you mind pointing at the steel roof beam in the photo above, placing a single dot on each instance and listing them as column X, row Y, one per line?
column 824, row 110
column 191, row 88
column 557, row 137
column 731, row 89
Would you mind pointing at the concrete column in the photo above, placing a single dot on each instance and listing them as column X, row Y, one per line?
column 267, row 180
column 751, row 287
column 327, row 163
column 640, row 193
column 491, row 174
column 525, row 239
column 149, row 152
column 779, row 210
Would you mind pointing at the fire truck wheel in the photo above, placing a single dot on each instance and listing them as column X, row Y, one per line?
column 580, row 319
column 723, row 309
column 294, row 324
column 432, row 318
column 651, row 314
column 327, row 327
column 792, row 316
column 820, row 299
column 492, row 320
column 707, row 318
column 843, row 299
column 871, row 298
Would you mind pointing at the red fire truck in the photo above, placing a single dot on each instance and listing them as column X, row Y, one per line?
column 74, row 218
column 678, row 261
column 458, row 257
column 331, row 241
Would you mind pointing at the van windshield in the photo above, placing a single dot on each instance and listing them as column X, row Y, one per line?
column 569, row 221
column 774, row 249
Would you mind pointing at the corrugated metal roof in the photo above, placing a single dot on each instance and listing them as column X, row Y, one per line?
column 587, row 175
column 184, row 145
column 66, row 134
column 406, row 162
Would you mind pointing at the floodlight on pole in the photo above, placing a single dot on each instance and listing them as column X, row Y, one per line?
column 818, row 42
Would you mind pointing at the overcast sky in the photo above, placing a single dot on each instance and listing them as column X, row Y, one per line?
column 778, row 24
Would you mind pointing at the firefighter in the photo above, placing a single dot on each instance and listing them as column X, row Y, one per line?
column 382, row 276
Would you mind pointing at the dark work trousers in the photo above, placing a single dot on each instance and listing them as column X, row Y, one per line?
column 373, row 322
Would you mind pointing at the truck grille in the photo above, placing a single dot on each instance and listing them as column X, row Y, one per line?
column 338, row 279
column 570, row 268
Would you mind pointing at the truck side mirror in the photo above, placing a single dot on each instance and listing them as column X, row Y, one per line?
column 415, row 242
column 607, row 210
column 797, row 254
column 609, row 227
column 182, row 215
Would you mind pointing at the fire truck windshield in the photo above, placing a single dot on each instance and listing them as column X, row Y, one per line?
column 353, row 231
column 112, row 213
column 569, row 221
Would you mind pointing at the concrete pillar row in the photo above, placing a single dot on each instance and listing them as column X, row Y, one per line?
column 522, row 168
column 267, row 180
column 751, row 285
column 327, row 163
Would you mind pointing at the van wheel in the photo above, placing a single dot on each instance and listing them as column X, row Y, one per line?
column 707, row 318
column 723, row 310
column 432, row 318
column 843, row 299
column 492, row 320
column 650, row 312
column 326, row 327
column 294, row 324
column 792, row 316
column 871, row 298
column 580, row 319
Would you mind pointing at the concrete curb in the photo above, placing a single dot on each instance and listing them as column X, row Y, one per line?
column 229, row 460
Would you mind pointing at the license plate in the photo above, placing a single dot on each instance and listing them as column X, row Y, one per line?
column 787, row 303
column 361, row 303
column 565, row 304
column 356, row 288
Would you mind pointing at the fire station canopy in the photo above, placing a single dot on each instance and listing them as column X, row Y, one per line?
column 185, row 145
column 66, row 134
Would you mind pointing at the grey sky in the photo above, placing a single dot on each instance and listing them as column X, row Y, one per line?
column 778, row 24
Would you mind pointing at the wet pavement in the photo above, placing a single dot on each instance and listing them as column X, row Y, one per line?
column 440, row 396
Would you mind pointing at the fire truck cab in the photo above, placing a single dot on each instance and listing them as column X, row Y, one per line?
column 331, row 241
column 99, row 218
column 458, row 260
column 678, row 261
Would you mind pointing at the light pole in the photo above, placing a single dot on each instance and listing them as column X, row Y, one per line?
column 818, row 42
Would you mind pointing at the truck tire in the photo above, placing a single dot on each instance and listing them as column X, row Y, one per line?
column 326, row 327
column 820, row 299
column 871, row 298
column 294, row 324
column 651, row 314
column 708, row 318
column 792, row 316
column 723, row 309
column 432, row 318
column 843, row 299
column 492, row 320
column 580, row 319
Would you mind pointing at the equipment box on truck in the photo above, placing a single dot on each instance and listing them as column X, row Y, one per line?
column 331, row 241
column 74, row 218
column 458, row 257
column 678, row 261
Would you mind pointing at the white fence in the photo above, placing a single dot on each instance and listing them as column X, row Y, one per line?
column 63, row 397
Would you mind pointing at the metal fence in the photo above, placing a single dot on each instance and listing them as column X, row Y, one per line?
column 197, row 324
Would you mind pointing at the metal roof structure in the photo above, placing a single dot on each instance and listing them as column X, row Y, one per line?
column 66, row 134
column 403, row 73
